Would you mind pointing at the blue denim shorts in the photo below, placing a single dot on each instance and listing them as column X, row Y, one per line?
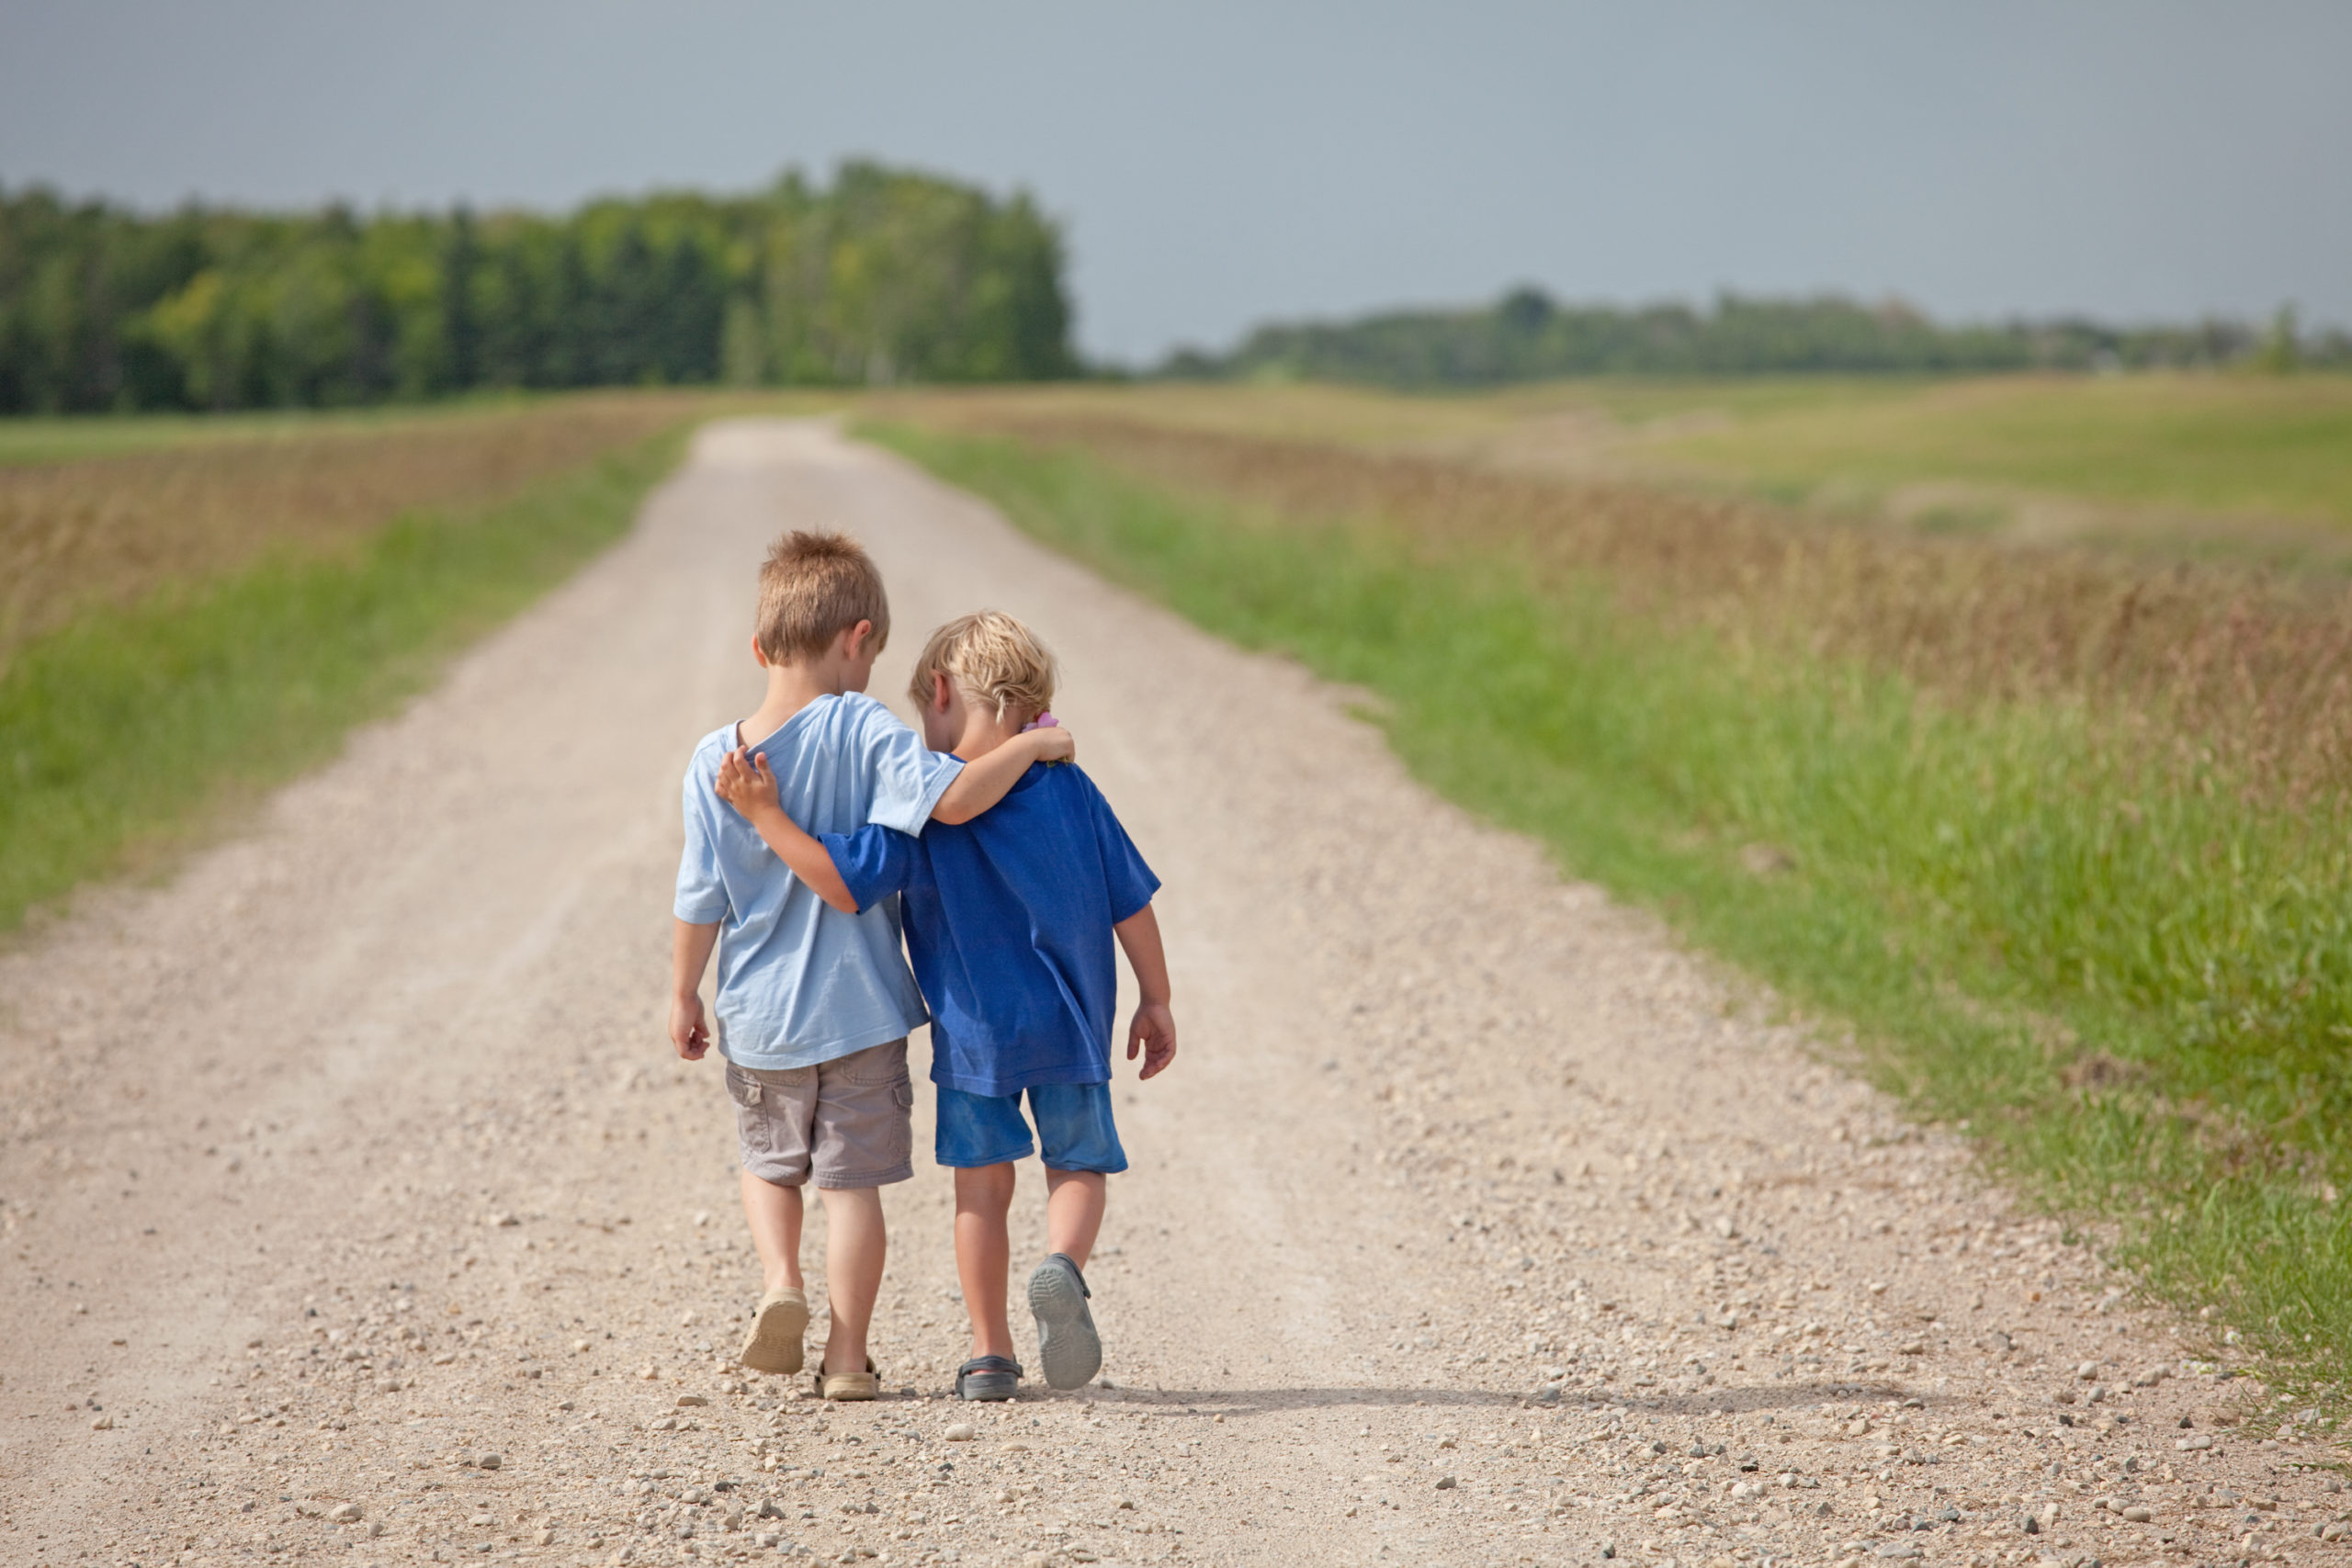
column 1074, row 1128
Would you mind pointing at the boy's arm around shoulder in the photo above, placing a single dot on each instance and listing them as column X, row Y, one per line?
column 873, row 862
column 990, row 778
column 749, row 786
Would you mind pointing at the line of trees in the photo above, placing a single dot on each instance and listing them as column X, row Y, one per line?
column 889, row 276
column 1528, row 336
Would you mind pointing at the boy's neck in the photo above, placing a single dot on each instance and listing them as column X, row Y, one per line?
column 984, row 732
column 792, row 687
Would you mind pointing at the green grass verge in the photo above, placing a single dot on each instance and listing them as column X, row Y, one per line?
column 2134, row 991
column 124, row 731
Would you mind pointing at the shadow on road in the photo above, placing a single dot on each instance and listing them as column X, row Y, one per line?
column 1710, row 1402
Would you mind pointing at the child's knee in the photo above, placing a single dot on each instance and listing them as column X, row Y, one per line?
column 851, row 1198
column 989, row 1183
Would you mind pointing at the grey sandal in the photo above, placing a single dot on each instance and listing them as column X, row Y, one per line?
column 987, row 1378
column 1067, row 1345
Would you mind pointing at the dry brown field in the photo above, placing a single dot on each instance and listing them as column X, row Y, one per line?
column 111, row 530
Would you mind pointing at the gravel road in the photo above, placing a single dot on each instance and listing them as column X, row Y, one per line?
column 355, row 1208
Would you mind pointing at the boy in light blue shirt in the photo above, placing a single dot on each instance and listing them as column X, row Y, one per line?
column 1012, row 921
column 814, row 1004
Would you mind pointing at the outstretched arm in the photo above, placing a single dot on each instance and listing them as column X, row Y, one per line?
column 1153, row 1032
column 988, row 779
column 750, row 788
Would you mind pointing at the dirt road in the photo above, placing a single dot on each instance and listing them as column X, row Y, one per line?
column 1475, row 1224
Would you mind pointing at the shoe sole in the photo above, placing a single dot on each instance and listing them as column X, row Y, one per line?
column 774, row 1344
column 1069, row 1349
column 987, row 1388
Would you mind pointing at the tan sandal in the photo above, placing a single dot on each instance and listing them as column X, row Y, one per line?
column 866, row 1384
column 777, row 1330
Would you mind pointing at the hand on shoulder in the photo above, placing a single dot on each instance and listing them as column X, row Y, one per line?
column 1052, row 743
column 745, row 783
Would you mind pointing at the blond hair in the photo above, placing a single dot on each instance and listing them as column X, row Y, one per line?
column 813, row 587
column 992, row 659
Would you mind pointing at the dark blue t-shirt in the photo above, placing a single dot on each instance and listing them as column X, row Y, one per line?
column 1008, row 920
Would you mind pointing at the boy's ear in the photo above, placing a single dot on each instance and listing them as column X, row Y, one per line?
column 942, row 694
column 759, row 653
column 858, row 639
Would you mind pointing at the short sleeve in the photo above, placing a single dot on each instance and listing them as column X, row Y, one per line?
column 909, row 776
column 702, row 893
column 874, row 861
column 1125, row 879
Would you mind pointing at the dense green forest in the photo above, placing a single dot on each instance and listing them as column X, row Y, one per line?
column 1526, row 336
column 887, row 276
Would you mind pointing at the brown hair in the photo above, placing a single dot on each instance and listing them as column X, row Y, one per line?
column 992, row 659
column 813, row 587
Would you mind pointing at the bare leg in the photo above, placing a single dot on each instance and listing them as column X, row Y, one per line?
column 855, row 1245
column 1070, row 1348
column 774, row 1215
column 984, row 1252
column 1074, row 1200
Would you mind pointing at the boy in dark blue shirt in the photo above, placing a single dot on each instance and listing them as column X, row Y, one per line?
column 1009, row 921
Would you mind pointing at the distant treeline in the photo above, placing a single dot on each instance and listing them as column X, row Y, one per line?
column 887, row 276
column 1527, row 336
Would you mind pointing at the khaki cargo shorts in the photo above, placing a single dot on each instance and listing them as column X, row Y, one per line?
column 848, row 1121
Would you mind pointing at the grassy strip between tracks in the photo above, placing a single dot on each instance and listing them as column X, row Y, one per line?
column 2123, row 982
column 127, row 730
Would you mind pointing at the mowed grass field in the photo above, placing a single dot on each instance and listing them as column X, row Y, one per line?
column 2262, row 449
column 234, row 597
column 2050, row 841
column 2245, row 467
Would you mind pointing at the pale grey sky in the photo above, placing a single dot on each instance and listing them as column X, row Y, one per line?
column 1219, row 163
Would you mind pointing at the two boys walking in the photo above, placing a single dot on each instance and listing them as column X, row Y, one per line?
column 812, row 827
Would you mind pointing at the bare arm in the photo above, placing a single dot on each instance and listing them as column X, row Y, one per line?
column 985, row 780
column 751, row 791
column 1153, row 1032
column 689, row 948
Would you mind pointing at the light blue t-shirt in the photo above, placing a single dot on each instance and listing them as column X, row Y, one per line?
column 799, row 981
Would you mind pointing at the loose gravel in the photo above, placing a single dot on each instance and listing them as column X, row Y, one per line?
column 355, row 1208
